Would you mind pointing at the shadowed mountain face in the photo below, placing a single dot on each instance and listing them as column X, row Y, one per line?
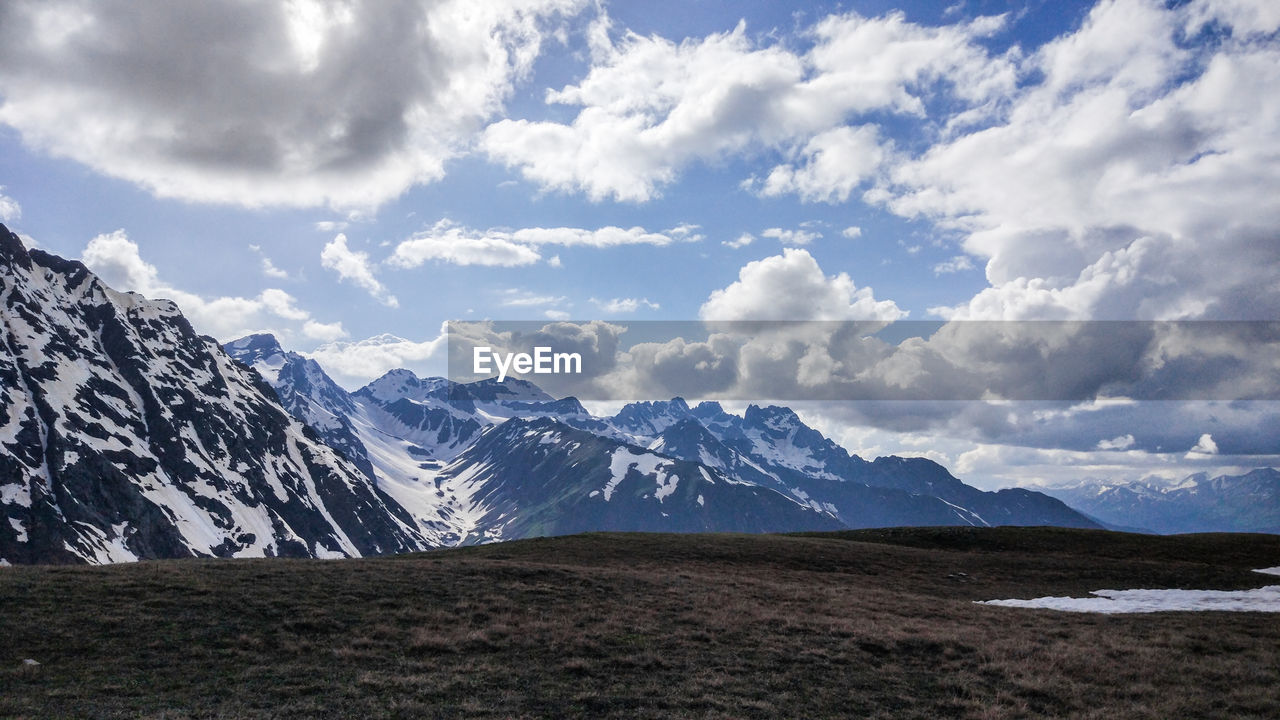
column 125, row 435
column 485, row 461
column 1227, row 503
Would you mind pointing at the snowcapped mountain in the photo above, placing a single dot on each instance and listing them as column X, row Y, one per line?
column 649, row 419
column 539, row 476
column 450, row 454
column 307, row 393
column 888, row 491
column 1198, row 503
column 125, row 435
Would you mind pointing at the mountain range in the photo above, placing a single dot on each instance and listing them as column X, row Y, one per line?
column 124, row 434
column 1198, row 503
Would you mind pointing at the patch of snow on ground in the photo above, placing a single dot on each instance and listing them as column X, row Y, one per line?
column 1263, row 599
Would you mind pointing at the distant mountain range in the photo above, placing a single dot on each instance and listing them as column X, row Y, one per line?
column 486, row 461
column 124, row 434
column 1226, row 503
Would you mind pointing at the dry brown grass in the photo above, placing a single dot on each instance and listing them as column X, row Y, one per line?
column 648, row 625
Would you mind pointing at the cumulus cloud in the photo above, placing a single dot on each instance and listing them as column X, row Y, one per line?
column 353, row 364
column 596, row 342
column 449, row 242
column 10, row 210
column 324, row 332
column 117, row 261
column 792, row 286
column 830, row 167
column 1120, row 442
column 278, row 104
column 741, row 241
column 1132, row 178
column 354, row 267
column 1204, row 446
column 852, row 232
column 649, row 106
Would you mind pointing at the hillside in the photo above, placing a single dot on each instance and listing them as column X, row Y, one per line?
column 876, row 623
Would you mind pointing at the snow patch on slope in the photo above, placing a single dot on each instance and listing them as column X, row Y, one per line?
column 1263, row 599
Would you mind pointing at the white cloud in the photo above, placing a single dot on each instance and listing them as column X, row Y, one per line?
column 1121, row 442
column 331, row 226
column 116, row 259
column 1007, row 465
column 649, row 106
column 791, row 237
column 277, row 104
column 554, row 261
column 460, row 246
column 1250, row 17
column 270, row 270
column 281, row 304
column 324, row 332
column 1204, row 446
column 449, row 242
column 852, row 232
column 832, row 165
column 742, row 241
column 792, row 286
column 10, row 210
column 1134, row 179
column 518, row 298
column 354, row 267
column 354, row 363
column 556, row 314
column 954, row 265
column 617, row 306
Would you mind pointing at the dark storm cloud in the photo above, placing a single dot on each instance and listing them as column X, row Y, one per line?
column 297, row 103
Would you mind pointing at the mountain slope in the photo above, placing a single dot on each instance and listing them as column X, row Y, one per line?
column 124, row 435
column 1227, row 503
column 906, row 491
column 541, row 477
column 307, row 392
column 420, row 435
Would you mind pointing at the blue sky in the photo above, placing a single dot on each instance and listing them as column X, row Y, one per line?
column 337, row 172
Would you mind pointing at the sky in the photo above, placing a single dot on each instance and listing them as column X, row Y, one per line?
column 351, row 175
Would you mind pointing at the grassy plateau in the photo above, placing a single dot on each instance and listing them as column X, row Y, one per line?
column 877, row 623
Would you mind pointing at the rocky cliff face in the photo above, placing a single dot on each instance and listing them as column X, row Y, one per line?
column 124, row 434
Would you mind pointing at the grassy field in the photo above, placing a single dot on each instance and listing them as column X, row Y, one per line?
column 874, row 623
